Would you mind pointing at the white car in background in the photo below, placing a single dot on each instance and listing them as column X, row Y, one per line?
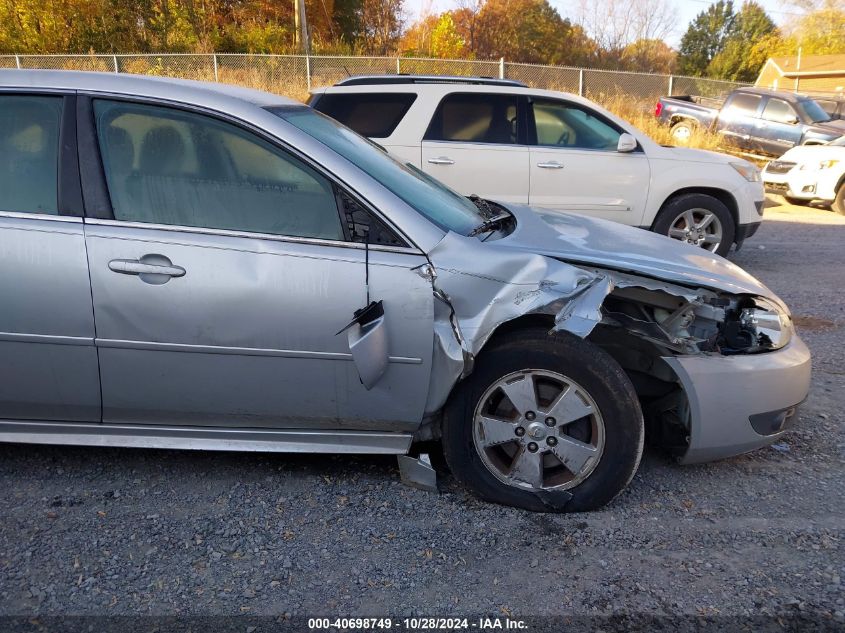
column 810, row 172
column 503, row 141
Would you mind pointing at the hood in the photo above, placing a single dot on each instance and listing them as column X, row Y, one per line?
column 691, row 155
column 578, row 239
column 834, row 126
column 813, row 153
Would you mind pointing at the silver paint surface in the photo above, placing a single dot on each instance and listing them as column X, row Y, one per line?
column 245, row 338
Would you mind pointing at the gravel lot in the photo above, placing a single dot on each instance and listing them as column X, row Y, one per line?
column 124, row 532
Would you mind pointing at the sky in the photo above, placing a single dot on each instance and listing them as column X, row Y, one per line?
column 687, row 10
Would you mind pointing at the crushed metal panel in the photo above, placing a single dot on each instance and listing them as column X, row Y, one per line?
column 486, row 291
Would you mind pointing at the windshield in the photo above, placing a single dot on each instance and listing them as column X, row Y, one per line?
column 813, row 111
column 446, row 208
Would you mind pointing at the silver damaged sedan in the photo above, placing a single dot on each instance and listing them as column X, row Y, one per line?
column 198, row 266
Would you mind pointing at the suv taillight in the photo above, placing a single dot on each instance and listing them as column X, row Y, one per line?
column 658, row 108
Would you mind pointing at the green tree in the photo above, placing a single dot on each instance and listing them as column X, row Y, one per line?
column 705, row 38
column 741, row 58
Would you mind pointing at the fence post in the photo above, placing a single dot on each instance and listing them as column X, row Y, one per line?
column 581, row 82
column 398, row 70
column 308, row 71
column 214, row 57
column 114, row 58
column 18, row 61
column 501, row 68
column 671, row 85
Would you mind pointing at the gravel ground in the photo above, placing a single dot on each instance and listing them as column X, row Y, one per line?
column 95, row 532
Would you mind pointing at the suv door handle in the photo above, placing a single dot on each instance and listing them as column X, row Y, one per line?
column 552, row 164
column 152, row 269
column 441, row 160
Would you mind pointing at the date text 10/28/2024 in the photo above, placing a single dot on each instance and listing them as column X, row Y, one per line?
column 417, row 624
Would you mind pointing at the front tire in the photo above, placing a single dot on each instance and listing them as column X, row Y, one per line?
column 546, row 422
column 838, row 203
column 697, row 219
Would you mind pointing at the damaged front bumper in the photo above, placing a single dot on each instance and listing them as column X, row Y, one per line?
column 742, row 402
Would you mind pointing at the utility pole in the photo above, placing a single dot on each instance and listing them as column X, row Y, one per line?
column 301, row 26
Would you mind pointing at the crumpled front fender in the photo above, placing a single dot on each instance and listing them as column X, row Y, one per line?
column 478, row 289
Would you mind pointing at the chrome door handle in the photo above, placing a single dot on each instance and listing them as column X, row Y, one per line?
column 441, row 160
column 151, row 269
column 552, row 164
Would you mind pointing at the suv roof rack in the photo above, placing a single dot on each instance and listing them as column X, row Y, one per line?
column 374, row 80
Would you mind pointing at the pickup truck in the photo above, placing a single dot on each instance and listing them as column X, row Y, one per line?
column 754, row 120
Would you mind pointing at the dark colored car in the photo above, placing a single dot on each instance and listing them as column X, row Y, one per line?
column 754, row 120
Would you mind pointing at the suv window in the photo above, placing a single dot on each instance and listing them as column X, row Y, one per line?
column 475, row 118
column 29, row 153
column 562, row 124
column 747, row 104
column 373, row 115
column 167, row 166
column 779, row 111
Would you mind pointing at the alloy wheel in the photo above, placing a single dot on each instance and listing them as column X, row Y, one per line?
column 699, row 227
column 537, row 429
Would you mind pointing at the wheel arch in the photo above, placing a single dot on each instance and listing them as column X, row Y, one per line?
column 656, row 384
column 725, row 197
column 678, row 118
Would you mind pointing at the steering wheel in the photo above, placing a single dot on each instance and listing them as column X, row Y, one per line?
column 564, row 138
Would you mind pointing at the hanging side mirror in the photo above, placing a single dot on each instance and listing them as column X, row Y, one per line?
column 626, row 144
column 367, row 337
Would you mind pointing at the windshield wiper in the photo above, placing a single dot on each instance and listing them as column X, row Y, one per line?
column 490, row 223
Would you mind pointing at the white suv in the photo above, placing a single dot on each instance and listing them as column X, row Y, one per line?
column 504, row 141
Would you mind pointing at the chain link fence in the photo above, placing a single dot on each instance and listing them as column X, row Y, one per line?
column 295, row 75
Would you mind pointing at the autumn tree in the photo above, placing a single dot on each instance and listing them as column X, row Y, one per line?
column 381, row 26
column 820, row 31
column 416, row 40
column 529, row 31
column 648, row 56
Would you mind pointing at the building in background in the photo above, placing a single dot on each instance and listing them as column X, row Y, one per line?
column 808, row 73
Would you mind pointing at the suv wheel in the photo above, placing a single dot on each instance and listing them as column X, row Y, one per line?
column 546, row 422
column 697, row 219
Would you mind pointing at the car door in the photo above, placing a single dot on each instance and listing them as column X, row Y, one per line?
column 777, row 128
column 575, row 165
column 48, row 363
column 224, row 275
column 737, row 121
column 475, row 145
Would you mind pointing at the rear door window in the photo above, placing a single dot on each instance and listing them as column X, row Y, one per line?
column 744, row 104
column 371, row 115
column 29, row 153
column 475, row 118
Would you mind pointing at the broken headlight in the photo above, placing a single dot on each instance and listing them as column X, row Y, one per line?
column 755, row 325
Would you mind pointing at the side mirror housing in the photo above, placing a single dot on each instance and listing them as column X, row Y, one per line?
column 792, row 120
column 626, row 144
